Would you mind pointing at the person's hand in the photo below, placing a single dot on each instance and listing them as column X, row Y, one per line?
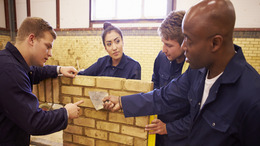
column 68, row 71
column 112, row 103
column 73, row 109
column 157, row 127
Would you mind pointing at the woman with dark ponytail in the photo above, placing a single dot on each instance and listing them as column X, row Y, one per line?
column 116, row 64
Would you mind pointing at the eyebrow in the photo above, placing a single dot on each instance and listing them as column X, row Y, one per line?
column 49, row 45
column 114, row 39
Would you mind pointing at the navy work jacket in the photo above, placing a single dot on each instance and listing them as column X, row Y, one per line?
column 163, row 72
column 20, row 115
column 127, row 68
column 230, row 115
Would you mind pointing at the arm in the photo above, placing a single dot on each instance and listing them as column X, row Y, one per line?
column 91, row 71
column 172, row 97
column 42, row 73
column 15, row 86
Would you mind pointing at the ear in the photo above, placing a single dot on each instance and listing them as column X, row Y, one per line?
column 31, row 39
column 217, row 41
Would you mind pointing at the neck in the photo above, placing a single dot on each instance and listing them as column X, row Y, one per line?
column 115, row 62
column 180, row 59
column 221, row 62
column 22, row 48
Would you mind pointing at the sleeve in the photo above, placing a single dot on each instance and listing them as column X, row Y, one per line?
column 21, row 107
column 42, row 73
column 91, row 71
column 172, row 97
column 179, row 129
column 250, row 134
column 155, row 76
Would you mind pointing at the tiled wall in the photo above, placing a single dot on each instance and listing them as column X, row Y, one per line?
column 96, row 128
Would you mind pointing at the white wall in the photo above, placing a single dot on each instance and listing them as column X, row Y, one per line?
column 247, row 11
column 74, row 14
column 45, row 9
column 2, row 14
column 21, row 11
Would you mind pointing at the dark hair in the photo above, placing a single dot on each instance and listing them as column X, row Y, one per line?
column 34, row 25
column 108, row 27
column 171, row 26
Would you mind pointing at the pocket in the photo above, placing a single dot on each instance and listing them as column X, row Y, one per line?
column 164, row 78
column 216, row 122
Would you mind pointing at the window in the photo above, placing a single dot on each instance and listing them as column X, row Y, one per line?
column 102, row 10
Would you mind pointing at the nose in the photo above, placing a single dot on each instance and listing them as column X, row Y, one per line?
column 164, row 50
column 114, row 46
column 49, row 53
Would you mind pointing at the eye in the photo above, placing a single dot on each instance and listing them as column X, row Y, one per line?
column 117, row 41
column 108, row 44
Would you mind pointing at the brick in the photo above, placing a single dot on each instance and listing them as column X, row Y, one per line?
column 74, row 129
column 65, row 80
column 35, row 90
column 96, row 133
column 139, row 141
column 48, row 87
column 87, row 102
column 120, row 118
column 66, row 99
column 141, row 121
column 137, row 85
column 41, row 91
column 92, row 113
column 108, row 126
column 124, row 139
column 109, row 82
column 134, row 131
column 88, row 122
column 56, row 90
column 105, row 143
column 84, row 81
column 86, row 90
column 72, row 90
column 83, row 140
column 69, row 144
column 120, row 93
column 67, row 136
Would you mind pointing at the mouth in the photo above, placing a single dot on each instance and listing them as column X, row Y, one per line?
column 116, row 53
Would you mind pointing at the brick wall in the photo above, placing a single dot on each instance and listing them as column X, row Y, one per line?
column 96, row 128
column 251, row 50
column 3, row 40
column 82, row 48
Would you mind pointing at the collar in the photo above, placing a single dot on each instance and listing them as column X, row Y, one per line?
column 121, row 64
column 235, row 67
column 17, row 55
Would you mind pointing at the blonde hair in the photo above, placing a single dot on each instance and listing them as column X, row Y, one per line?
column 171, row 26
column 34, row 25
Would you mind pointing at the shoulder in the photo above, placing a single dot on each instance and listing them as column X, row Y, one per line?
column 7, row 60
column 132, row 61
column 103, row 59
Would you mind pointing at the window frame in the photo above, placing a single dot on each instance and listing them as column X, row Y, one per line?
column 170, row 7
